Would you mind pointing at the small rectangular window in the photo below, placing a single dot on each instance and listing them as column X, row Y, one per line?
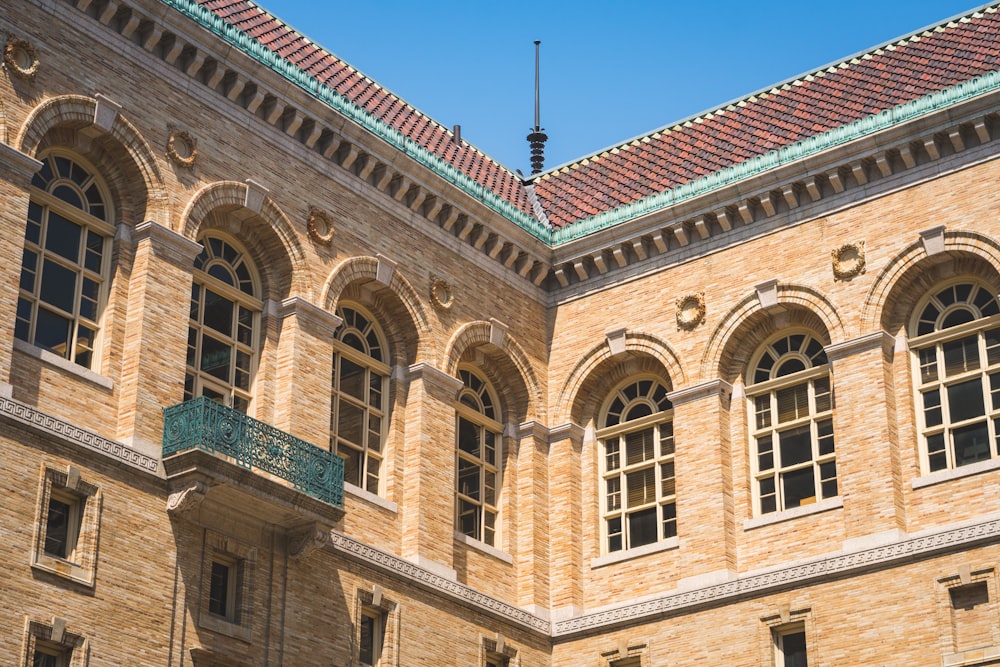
column 62, row 524
column 68, row 525
column 227, row 586
column 790, row 648
column 224, row 587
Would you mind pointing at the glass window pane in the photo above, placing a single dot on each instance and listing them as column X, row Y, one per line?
column 352, row 379
column 639, row 446
column 219, row 313
column 965, row 400
column 352, row 464
column 641, row 486
column 468, row 478
column 350, row 422
column 52, row 332
column 961, row 355
column 468, row 437
column 58, row 286
column 795, row 445
column 932, row 408
column 63, row 237
column 798, row 487
column 215, row 356
column 971, row 443
column 642, row 528
column 793, row 403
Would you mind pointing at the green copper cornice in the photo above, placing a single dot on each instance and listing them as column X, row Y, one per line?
column 344, row 106
column 813, row 145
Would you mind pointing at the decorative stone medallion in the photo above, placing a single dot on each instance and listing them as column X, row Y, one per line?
column 20, row 58
column 182, row 149
column 848, row 260
column 690, row 310
column 441, row 294
column 320, row 226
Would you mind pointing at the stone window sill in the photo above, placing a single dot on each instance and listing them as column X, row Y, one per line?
column 646, row 549
column 370, row 497
column 956, row 473
column 805, row 510
column 56, row 361
column 485, row 548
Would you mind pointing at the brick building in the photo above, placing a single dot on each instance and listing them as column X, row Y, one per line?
column 293, row 376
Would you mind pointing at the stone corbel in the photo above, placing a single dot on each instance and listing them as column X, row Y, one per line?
column 306, row 540
column 185, row 500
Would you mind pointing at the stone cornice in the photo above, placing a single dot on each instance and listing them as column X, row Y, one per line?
column 567, row 431
column 167, row 244
column 311, row 317
column 62, row 430
column 862, row 343
column 436, row 583
column 17, row 163
column 841, row 564
column 699, row 391
column 434, row 377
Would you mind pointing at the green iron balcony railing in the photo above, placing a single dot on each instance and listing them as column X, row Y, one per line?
column 208, row 425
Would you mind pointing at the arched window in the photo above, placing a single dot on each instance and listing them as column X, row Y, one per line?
column 66, row 262
column 223, row 329
column 360, row 383
column 789, row 391
column 478, row 454
column 639, row 501
column 955, row 339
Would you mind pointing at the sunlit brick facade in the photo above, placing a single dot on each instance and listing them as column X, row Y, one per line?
column 292, row 376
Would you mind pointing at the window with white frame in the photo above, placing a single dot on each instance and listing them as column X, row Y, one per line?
column 376, row 637
column 478, row 456
column 955, row 342
column 371, row 636
column 66, row 261
column 227, row 586
column 223, row 326
column 790, row 646
column 791, row 403
column 360, row 387
column 638, row 494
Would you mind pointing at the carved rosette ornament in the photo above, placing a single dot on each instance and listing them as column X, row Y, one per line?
column 320, row 226
column 182, row 148
column 848, row 260
column 20, row 58
column 441, row 295
column 690, row 310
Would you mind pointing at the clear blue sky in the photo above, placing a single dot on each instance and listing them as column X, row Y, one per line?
column 609, row 70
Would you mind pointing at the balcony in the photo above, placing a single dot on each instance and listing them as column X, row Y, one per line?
column 214, row 451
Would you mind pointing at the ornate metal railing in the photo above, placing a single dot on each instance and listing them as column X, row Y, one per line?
column 208, row 425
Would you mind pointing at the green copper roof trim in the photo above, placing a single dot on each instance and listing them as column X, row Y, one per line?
column 344, row 106
column 961, row 92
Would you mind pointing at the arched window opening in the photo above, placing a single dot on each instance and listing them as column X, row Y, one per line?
column 65, row 268
column 792, row 401
column 638, row 494
column 223, row 325
column 360, row 388
column 955, row 340
column 478, row 456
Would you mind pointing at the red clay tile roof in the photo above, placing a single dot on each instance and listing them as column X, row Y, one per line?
column 376, row 100
column 883, row 78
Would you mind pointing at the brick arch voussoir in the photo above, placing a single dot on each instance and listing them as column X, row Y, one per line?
column 806, row 306
column 646, row 353
column 880, row 299
column 365, row 269
column 476, row 334
column 77, row 111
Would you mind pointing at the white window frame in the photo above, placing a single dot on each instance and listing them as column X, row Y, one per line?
column 780, row 634
column 486, row 398
column 928, row 358
column 660, row 422
column 198, row 381
column 26, row 323
column 763, row 414
column 371, row 459
column 79, row 563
